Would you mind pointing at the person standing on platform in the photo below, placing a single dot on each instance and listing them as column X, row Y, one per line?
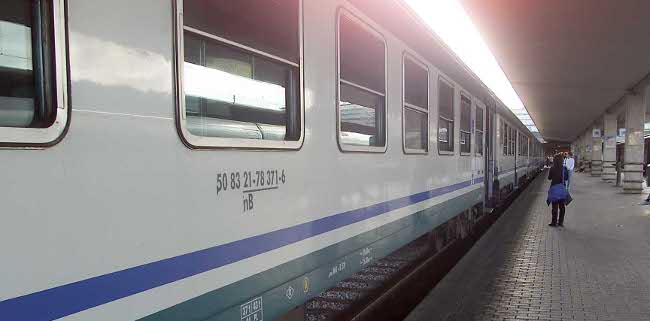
column 570, row 164
column 557, row 192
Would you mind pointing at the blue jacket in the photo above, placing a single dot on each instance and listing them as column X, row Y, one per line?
column 556, row 193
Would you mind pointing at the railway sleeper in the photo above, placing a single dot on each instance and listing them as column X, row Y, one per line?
column 420, row 264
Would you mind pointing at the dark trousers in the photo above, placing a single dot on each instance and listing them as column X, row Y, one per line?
column 554, row 220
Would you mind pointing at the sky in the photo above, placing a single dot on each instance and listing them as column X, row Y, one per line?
column 450, row 22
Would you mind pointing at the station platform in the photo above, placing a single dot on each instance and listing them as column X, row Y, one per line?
column 595, row 268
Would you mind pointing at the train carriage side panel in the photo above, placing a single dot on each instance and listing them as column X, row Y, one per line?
column 137, row 222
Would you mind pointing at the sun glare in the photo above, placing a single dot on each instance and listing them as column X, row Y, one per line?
column 448, row 20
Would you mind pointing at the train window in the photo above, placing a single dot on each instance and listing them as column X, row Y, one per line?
column 508, row 138
column 416, row 105
column 478, row 119
column 534, row 150
column 445, row 117
column 509, row 142
column 504, row 137
column 518, row 143
column 511, row 150
column 526, row 146
column 512, row 141
column 362, row 82
column 32, row 99
column 465, row 125
column 241, row 73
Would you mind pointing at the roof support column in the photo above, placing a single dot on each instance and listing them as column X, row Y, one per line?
column 596, row 151
column 609, row 152
column 634, row 123
column 588, row 147
column 582, row 152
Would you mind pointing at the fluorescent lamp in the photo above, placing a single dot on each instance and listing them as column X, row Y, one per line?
column 448, row 20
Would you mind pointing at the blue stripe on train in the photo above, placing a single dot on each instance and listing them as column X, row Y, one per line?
column 75, row 297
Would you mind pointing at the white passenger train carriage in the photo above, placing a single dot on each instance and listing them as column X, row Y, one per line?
column 193, row 160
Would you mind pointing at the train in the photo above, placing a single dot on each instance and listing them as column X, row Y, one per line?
column 229, row 160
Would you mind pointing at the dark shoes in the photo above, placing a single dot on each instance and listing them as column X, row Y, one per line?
column 560, row 224
column 553, row 225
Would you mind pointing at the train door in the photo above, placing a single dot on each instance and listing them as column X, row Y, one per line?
column 490, row 136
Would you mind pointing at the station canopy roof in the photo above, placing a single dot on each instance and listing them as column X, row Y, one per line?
column 569, row 61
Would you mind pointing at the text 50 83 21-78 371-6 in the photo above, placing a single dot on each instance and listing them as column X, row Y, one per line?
column 250, row 181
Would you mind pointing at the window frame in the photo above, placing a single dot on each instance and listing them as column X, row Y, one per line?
column 504, row 140
column 341, row 11
column 453, row 121
column 22, row 137
column 517, row 144
column 508, row 134
column 211, row 143
column 477, row 105
column 411, row 57
column 510, row 138
column 513, row 141
column 526, row 140
column 507, row 140
column 460, row 130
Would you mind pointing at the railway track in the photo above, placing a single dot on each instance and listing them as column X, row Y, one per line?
column 391, row 287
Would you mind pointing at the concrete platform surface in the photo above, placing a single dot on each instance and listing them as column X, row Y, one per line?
column 595, row 268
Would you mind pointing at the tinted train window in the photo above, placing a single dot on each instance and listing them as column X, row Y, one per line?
column 445, row 117
column 526, row 146
column 509, row 140
column 27, row 85
column 465, row 125
column 362, row 92
column 512, row 141
column 504, row 137
column 416, row 101
column 525, row 140
column 508, row 134
column 518, row 144
column 241, row 72
column 479, row 130
column 268, row 26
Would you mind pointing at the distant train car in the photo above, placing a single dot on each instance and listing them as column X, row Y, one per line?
column 229, row 160
column 518, row 154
